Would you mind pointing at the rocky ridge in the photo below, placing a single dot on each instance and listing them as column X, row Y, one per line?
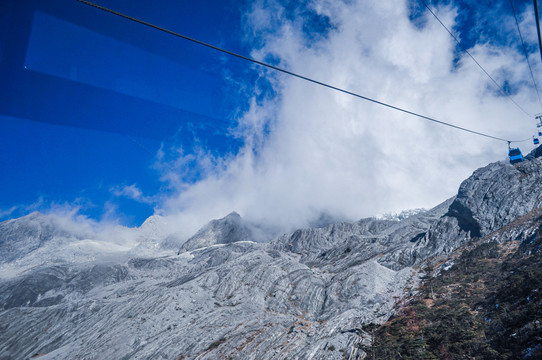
column 306, row 295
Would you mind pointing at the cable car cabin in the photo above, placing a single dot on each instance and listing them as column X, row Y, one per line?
column 515, row 155
column 540, row 133
column 536, row 141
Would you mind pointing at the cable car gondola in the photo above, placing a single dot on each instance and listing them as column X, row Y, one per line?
column 536, row 141
column 515, row 155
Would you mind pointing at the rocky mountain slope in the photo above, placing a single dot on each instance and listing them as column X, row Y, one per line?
column 485, row 303
column 306, row 295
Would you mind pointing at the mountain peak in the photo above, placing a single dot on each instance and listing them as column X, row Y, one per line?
column 229, row 229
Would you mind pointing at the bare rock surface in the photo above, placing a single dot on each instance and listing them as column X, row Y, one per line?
column 227, row 230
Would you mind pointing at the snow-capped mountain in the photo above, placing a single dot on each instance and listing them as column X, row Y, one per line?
column 23, row 236
column 306, row 295
column 38, row 240
column 398, row 216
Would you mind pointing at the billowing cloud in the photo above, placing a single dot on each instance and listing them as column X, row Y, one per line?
column 312, row 151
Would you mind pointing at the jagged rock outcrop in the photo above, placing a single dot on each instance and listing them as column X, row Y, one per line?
column 227, row 230
column 491, row 198
column 305, row 295
column 499, row 193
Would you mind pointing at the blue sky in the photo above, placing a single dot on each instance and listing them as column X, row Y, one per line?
column 117, row 122
column 71, row 152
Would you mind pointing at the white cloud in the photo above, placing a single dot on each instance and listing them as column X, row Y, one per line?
column 328, row 152
column 4, row 213
column 132, row 192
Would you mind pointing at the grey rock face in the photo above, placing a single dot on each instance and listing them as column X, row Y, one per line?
column 227, row 230
column 490, row 199
column 499, row 193
column 305, row 295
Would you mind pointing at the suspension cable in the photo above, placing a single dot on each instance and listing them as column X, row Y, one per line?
column 537, row 18
column 501, row 89
column 295, row 74
column 525, row 51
